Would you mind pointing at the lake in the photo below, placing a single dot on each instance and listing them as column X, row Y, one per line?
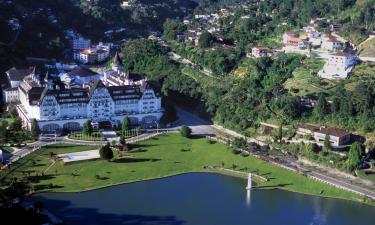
column 201, row 199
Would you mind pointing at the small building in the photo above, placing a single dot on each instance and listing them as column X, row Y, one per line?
column 338, row 66
column 14, row 77
column 288, row 36
column 260, row 51
column 80, row 43
column 331, row 43
column 297, row 42
column 337, row 137
column 93, row 55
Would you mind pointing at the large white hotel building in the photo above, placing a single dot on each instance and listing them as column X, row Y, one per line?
column 66, row 104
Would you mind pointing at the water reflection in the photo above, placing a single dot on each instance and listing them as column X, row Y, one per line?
column 207, row 199
column 248, row 198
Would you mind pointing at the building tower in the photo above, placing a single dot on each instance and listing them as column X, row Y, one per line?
column 117, row 63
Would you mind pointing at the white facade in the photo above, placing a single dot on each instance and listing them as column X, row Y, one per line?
column 337, row 137
column 11, row 95
column 331, row 43
column 338, row 66
column 80, row 43
column 92, row 55
column 287, row 36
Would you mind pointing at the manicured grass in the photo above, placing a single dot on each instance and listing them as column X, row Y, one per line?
column 305, row 80
column 363, row 175
column 96, row 136
column 162, row 156
column 367, row 49
column 362, row 73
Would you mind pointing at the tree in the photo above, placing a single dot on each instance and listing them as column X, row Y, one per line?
column 185, row 131
column 3, row 131
column 205, row 40
column 354, row 155
column 35, row 131
column 122, row 140
column 106, row 152
column 87, row 128
column 321, row 106
column 327, row 143
column 16, row 125
column 311, row 148
column 280, row 133
column 125, row 124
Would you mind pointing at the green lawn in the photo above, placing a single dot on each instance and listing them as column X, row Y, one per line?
column 162, row 156
column 367, row 49
column 305, row 80
column 362, row 73
column 96, row 136
column 363, row 175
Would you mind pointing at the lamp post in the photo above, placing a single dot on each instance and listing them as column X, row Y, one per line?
column 157, row 127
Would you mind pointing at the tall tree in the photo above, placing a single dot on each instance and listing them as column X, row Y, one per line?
column 35, row 131
column 87, row 128
column 3, row 131
column 320, row 108
column 354, row 155
column 125, row 124
column 327, row 143
column 205, row 40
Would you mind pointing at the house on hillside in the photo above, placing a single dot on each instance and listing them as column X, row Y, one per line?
column 331, row 43
column 338, row 66
column 337, row 137
column 288, row 36
column 260, row 51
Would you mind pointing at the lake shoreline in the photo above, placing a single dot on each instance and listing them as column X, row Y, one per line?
column 208, row 171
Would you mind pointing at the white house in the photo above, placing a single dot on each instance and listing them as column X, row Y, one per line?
column 338, row 66
column 331, row 43
column 260, row 51
column 98, row 53
column 80, row 43
column 288, row 36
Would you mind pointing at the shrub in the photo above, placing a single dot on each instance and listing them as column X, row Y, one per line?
column 106, row 152
column 185, row 131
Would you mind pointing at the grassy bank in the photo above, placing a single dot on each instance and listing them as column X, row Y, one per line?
column 162, row 156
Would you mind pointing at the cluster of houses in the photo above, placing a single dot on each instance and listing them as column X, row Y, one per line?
column 208, row 23
column 84, row 51
column 314, row 38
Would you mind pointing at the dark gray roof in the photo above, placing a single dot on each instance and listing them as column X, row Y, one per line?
column 82, row 72
column 125, row 92
column 34, row 95
column 152, row 85
column 75, row 95
column 15, row 74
